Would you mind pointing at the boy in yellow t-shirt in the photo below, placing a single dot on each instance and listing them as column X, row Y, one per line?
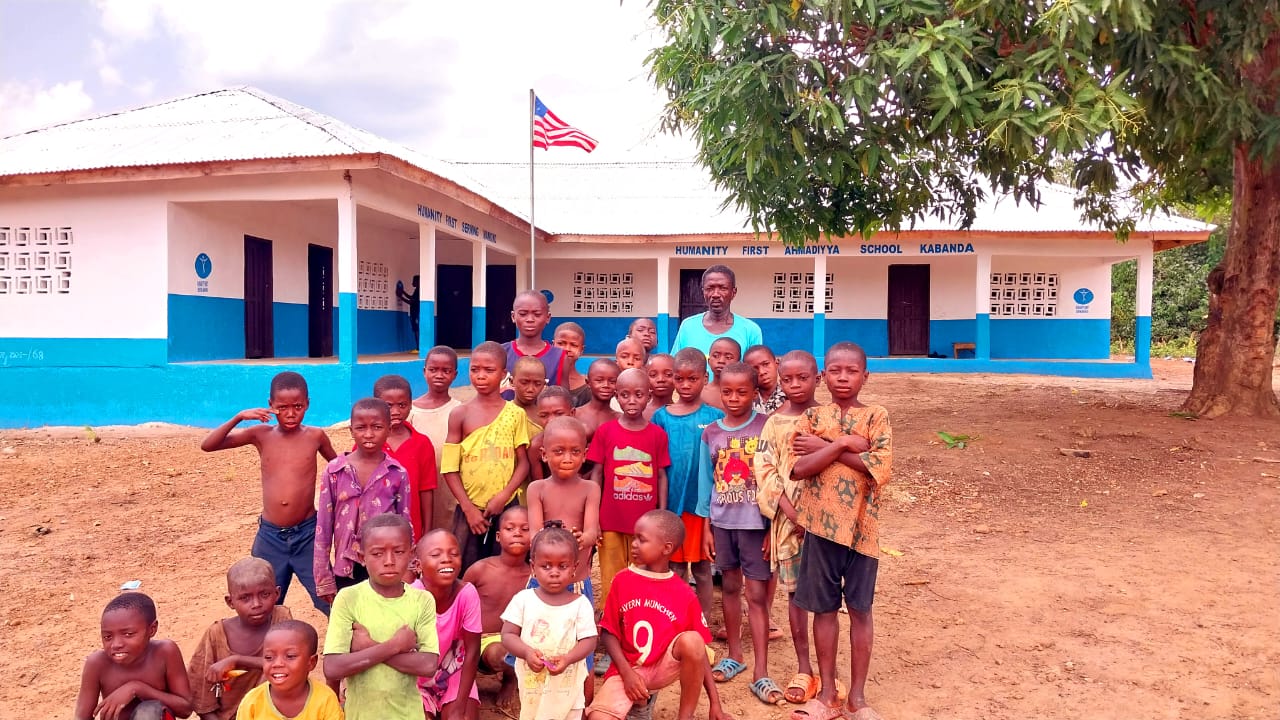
column 485, row 454
column 288, row 657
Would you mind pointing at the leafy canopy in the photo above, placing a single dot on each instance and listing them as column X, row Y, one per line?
column 838, row 117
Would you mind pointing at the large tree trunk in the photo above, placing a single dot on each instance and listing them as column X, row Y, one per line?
column 1235, row 352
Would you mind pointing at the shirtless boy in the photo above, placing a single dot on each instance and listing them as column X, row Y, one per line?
column 572, row 339
column 287, row 526
column 553, row 402
column 136, row 676
column 527, row 382
column 724, row 351
column 602, row 378
column 566, row 495
column 629, row 353
column 485, row 456
column 497, row 579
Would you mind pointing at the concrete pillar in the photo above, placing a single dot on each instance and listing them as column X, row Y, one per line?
column 663, row 319
column 982, row 308
column 426, row 288
column 348, row 280
column 819, row 307
column 479, row 291
column 1142, row 307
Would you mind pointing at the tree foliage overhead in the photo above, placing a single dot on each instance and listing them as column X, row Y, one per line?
column 848, row 116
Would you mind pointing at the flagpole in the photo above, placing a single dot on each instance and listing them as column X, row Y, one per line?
column 533, row 246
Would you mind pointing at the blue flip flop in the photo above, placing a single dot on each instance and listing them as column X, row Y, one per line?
column 728, row 669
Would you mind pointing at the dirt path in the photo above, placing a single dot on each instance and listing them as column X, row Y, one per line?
column 1137, row 583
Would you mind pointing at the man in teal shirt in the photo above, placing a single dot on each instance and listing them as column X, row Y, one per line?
column 719, row 288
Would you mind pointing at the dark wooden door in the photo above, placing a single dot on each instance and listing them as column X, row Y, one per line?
column 259, row 340
column 691, row 300
column 500, row 292
column 319, row 301
column 453, row 306
column 908, row 309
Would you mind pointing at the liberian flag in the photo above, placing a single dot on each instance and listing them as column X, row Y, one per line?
column 549, row 130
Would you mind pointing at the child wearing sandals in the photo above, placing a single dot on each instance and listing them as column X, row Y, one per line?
column 551, row 630
column 779, row 490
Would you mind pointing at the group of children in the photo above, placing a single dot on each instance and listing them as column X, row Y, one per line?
column 647, row 462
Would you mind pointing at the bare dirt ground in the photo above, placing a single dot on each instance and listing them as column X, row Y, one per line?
column 1016, row 582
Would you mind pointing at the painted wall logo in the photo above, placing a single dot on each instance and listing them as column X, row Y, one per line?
column 204, row 268
column 1083, row 297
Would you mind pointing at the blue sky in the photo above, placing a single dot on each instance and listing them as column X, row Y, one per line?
column 449, row 79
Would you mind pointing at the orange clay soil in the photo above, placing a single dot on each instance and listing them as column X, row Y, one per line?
column 1016, row 582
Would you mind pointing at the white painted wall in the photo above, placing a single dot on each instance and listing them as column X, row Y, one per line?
column 118, row 277
column 558, row 276
column 1073, row 273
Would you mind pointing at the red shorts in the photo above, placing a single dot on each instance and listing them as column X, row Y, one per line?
column 611, row 699
column 691, row 549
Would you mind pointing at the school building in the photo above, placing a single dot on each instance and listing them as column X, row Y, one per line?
column 162, row 263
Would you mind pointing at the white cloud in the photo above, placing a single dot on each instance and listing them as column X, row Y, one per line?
column 450, row 79
column 25, row 106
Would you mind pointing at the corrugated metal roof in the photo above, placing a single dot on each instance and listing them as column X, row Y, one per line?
column 618, row 198
column 677, row 198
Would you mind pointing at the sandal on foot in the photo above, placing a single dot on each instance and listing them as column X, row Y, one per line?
column 767, row 691
column 816, row 710
column 801, row 689
column 728, row 669
column 775, row 633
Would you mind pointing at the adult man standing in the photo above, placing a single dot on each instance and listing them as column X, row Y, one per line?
column 719, row 288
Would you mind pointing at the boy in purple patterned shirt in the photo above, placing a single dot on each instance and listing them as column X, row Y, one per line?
column 355, row 487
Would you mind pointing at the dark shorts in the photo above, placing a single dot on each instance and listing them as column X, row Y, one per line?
column 829, row 570
column 472, row 547
column 742, row 549
column 291, row 551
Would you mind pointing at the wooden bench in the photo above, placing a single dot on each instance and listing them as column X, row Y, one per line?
column 957, row 347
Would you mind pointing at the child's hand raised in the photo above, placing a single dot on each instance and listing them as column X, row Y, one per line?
column 261, row 414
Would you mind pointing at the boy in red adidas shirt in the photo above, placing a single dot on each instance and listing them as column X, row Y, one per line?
column 653, row 628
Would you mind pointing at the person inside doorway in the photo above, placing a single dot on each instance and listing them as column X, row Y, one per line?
column 412, row 300
column 719, row 288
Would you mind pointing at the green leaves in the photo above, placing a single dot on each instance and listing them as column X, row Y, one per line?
column 842, row 116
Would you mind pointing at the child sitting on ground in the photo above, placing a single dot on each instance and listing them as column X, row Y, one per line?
column 550, row 630
column 723, row 351
column 228, row 661
column 287, row 526
column 572, row 339
column 738, row 530
column 630, row 456
column 602, row 377
column 411, row 449
column 288, row 657
column 382, row 635
column 530, row 312
column 845, row 449
column 355, row 488
column 645, row 330
column 770, row 396
column 798, row 377
column 136, row 676
column 430, row 416
column 553, row 402
column 485, row 458
column 653, row 629
column 497, row 579
column 662, row 381
column 629, row 353
column 683, row 421
column 458, row 628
